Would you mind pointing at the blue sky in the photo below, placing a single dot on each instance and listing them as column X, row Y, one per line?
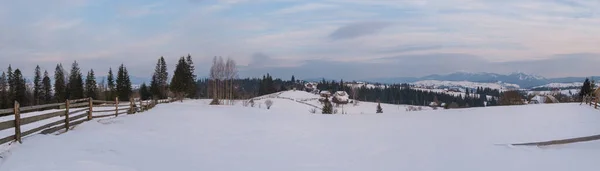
column 350, row 39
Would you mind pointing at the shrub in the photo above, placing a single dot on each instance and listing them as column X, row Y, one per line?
column 215, row 102
column 269, row 103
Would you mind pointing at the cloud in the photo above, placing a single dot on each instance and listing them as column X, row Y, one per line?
column 304, row 8
column 142, row 11
column 422, row 65
column 345, row 38
column 358, row 29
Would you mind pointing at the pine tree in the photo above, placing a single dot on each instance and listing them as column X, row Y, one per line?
column 164, row 78
column 75, row 86
column 180, row 80
column 47, row 88
column 145, row 94
column 158, row 85
column 123, row 84
column 11, row 86
column 585, row 89
column 110, row 95
column 20, row 88
column 3, row 91
column 379, row 109
column 91, row 85
column 37, row 86
column 155, row 87
column 293, row 79
column 190, row 77
column 60, row 85
column 327, row 107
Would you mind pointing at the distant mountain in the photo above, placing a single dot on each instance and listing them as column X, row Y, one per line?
column 522, row 79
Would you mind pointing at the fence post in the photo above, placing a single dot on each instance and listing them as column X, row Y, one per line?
column 596, row 103
column 116, row 106
column 67, row 115
column 90, row 110
column 131, row 109
column 141, row 105
column 17, row 122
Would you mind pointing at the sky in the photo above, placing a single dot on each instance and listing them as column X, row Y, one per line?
column 348, row 39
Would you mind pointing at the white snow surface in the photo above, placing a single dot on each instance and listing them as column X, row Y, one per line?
column 467, row 84
column 562, row 85
column 195, row 136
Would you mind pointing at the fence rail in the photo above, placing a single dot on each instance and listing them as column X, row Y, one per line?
column 75, row 112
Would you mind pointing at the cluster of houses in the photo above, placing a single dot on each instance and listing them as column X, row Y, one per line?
column 339, row 97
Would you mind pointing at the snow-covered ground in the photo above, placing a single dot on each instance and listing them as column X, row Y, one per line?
column 561, row 85
column 465, row 84
column 301, row 101
column 195, row 136
column 463, row 94
column 567, row 92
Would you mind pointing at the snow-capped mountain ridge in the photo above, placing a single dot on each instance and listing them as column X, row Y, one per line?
column 524, row 80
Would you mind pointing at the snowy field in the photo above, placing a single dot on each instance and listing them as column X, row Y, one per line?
column 468, row 84
column 195, row 136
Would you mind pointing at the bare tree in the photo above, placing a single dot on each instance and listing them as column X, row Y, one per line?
column 354, row 91
column 269, row 103
column 217, row 75
column 230, row 74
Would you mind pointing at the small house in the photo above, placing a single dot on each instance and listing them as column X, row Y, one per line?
column 325, row 94
column 433, row 104
column 538, row 99
column 341, row 97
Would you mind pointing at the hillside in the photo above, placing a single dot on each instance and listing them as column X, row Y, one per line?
column 523, row 80
column 195, row 136
column 465, row 84
column 301, row 101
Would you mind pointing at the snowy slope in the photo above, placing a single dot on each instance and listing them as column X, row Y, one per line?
column 561, row 85
column 465, row 84
column 301, row 101
column 194, row 136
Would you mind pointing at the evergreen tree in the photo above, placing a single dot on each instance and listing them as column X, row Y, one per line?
column 91, row 85
column 327, row 107
column 190, row 77
column 123, row 84
column 11, row 86
column 586, row 88
column 164, row 77
column 145, row 94
column 37, row 86
column 60, row 85
column 20, row 88
column 3, row 91
column 47, row 88
column 379, row 109
column 75, row 86
column 110, row 95
column 180, row 80
column 293, row 79
column 155, row 87
column 158, row 85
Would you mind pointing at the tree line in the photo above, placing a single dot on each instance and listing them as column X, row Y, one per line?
column 73, row 85
column 66, row 85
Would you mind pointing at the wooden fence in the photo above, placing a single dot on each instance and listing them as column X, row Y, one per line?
column 74, row 112
column 592, row 101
